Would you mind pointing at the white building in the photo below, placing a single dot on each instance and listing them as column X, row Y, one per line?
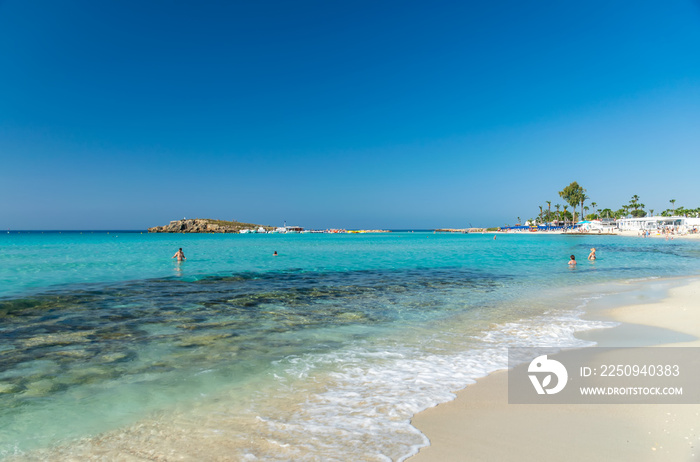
column 653, row 223
column 596, row 226
column 690, row 225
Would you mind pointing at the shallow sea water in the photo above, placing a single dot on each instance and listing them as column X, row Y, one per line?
column 109, row 349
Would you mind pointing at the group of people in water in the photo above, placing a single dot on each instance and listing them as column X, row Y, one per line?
column 591, row 256
column 180, row 255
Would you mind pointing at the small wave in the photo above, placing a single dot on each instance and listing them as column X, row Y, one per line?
column 372, row 395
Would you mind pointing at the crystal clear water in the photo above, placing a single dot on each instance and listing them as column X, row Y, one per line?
column 109, row 348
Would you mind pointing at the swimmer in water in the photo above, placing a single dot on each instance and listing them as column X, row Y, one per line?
column 274, row 254
column 572, row 262
column 179, row 255
column 591, row 256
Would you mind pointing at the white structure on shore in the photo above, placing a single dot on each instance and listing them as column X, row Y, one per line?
column 679, row 224
column 596, row 226
column 289, row 229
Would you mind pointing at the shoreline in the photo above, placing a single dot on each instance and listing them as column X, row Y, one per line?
column 695, row 236
column 479, row 424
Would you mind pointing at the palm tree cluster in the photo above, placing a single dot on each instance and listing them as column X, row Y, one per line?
column 575, row 196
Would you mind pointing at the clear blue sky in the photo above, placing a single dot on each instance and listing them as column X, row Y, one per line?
column 374, row 114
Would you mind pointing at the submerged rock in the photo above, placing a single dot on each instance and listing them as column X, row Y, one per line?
column 116, row 357
column 7, row 388
column 70, row 355
column 41, row 388
column 92, row 374
column 202, row 340
column 66, row 338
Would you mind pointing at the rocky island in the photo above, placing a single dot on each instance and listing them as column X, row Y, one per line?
column 206, row 225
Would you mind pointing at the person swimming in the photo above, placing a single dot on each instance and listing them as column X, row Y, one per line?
column 180, row 255
column 572, row 262
column 591, row 256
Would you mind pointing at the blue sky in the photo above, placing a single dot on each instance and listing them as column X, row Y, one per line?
column 376, row 114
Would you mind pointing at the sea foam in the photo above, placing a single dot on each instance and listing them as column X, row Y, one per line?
column 372, row 395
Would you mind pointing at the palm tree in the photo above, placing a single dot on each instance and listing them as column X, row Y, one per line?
column 586, row 209
column 518, row 221
column 540, row 214
column 584, row 198
column 558, row 214
column 549, row 210
column 565, row 207
column 574, row 195
column 673, row 204
column 636, row 207
column 593, row 206
column 651, row 212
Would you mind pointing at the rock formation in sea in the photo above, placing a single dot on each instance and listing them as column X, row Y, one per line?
column 205, row 225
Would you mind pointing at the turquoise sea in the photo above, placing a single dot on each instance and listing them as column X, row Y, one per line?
column 109, row 349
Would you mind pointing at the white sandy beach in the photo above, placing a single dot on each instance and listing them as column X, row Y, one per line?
column 660, row 236
column 480, row 425
column 695, row 236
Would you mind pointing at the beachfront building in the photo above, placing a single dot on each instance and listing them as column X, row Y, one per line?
column 595, row 226
column 690, row 225
column 655, row 223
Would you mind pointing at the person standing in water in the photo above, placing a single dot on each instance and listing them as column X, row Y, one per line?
column 591, row 256
column 180, row 255
column 572, row 262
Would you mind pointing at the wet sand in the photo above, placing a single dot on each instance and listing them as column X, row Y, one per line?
column 480, row 425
